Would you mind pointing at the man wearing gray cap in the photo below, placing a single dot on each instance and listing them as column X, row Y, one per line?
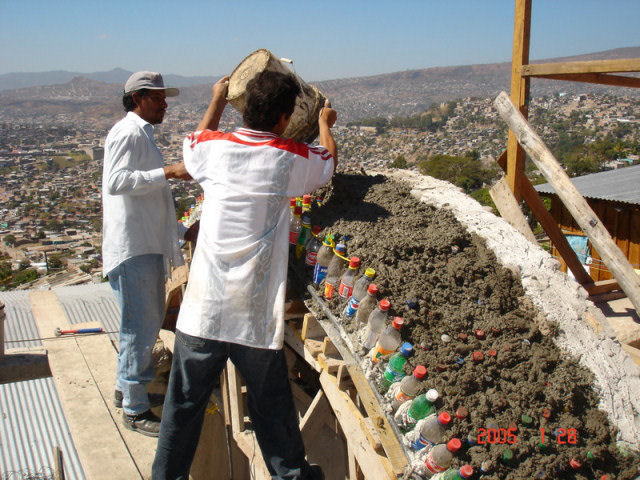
column 140, row 240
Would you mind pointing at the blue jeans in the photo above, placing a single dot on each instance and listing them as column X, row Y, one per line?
column 138, row 284
column 197, row 364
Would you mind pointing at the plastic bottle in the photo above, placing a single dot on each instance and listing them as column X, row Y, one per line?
column 359, row 291
column 305, row 234
column 431, row 430
column 334, row 272
column 389, row 340
column 306, row 203
column 375, row 323
column 395, row 368
column 367, row 304
column 439, row 457
column 409, row 387
column 295, row 226
column 421, row 407
column 312, row 246
column 466, row 471
column 325, row 254
column 348, row 278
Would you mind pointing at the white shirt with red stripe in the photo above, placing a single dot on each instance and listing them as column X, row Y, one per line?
column 238, row 273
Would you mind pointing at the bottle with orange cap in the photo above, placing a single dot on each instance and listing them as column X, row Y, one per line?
column 409, row 387
column 389, row 340
column 375, row 323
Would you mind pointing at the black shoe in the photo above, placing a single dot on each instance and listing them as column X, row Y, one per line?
column 146, row 423
column 155, row 399
column 315, row 472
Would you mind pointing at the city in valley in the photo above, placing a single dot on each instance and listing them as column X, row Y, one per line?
column 51, row 165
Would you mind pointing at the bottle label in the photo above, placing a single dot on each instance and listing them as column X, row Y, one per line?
column 421, row 442
column 401, row 397
column 379, row 352
column 293, row 237
column 432, row 466
column 351, row 307
column 310, row 258
column 329, row 290
column 319, row 273
column 393, row 375
column 345, row 291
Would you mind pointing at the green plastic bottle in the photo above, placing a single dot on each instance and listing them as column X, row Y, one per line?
column 421, row 407
column 395, row 368
column 303, row 236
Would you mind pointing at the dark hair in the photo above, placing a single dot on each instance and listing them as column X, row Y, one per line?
column 127, row 99
column 269, row 95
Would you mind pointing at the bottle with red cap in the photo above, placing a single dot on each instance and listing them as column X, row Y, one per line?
column 431, row 430
column 348, row 278
column 409, row 387
column 465, row 471
column 312, row 246
column 440, row 457
column 306, row 203
column 389, row 340
column 334, row 272
column 375, row 323
column 367, row 304
column 295, row 226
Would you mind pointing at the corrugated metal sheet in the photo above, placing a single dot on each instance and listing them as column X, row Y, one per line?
column 19, row 325
column 91, row 303
column 615, row 185
column 32, row 423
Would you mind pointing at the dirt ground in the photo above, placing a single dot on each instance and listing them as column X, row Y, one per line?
column 423, row 252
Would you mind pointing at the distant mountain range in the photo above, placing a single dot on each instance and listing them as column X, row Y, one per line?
column 399, row 93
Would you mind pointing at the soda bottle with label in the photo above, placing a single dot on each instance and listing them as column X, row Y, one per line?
column 440, row 457
column 421, row 407
column 389, row 340
column 395, row 368
column 312, row 247
column 375, row 323
column 367, row 304
column 359, row 291
column 295, row 226
column 465, row 471
column 325, row 254
column 348, row 278
column 409, row 387
column 431, row 431
column 334, row 272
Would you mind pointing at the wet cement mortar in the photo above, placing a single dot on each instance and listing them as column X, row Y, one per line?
column 423, row 251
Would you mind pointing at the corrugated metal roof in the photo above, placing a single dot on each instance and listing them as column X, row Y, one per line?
column 91, row 303
column 621, row 185
column 32, row 423
column 19, row 324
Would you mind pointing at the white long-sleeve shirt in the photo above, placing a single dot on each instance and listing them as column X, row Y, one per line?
column 138, row 213
column 238, row 273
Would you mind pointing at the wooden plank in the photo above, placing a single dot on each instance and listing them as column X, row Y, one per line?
column 550, row 226
column 211, row 459
column 634, row 239
column 597, row 78
column 102, row 453
column 20, row 364
column 249, row 445
column 330, row 364
column 311, row 328
column 575, row 203
column 604, row 286
column 296, row 344
column 373, row 465
column 314, row 346
column 592, row 66
column 509, row 209
column 236, row 399
column 388, row 438
column 634, row 353
column 316, row 415
column 519, row 91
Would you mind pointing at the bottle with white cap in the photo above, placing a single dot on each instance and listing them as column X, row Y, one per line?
column 421, row 407
column 388, row 341
column 376, row 322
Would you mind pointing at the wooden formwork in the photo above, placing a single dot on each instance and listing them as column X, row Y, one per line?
column 344, row 401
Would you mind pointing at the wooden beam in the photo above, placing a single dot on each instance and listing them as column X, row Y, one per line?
column 316, row 415
column 598, row 78
column 19, row 365
column 509, row 209
column 571, row 198
column 519, row 91
column 551, row 227
column 593, row 66
column 236, row 399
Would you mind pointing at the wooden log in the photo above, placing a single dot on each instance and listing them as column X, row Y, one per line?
column 519, row 91
column 509, row 209
column 575, row 203
column 592, row 66
column 550, row 226
column 597, row 78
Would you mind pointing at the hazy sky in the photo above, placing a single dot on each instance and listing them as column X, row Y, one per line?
column 327, row 39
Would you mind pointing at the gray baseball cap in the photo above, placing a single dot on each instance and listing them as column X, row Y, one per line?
column 150, row 81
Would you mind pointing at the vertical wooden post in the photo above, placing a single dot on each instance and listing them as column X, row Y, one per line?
column 519, row 91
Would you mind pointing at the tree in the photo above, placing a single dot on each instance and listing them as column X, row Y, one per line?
column 462, row 171
column 399, row 162
column 10, row 240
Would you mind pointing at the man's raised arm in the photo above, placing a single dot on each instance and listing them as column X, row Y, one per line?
column 213, row 114
column 326, row 120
